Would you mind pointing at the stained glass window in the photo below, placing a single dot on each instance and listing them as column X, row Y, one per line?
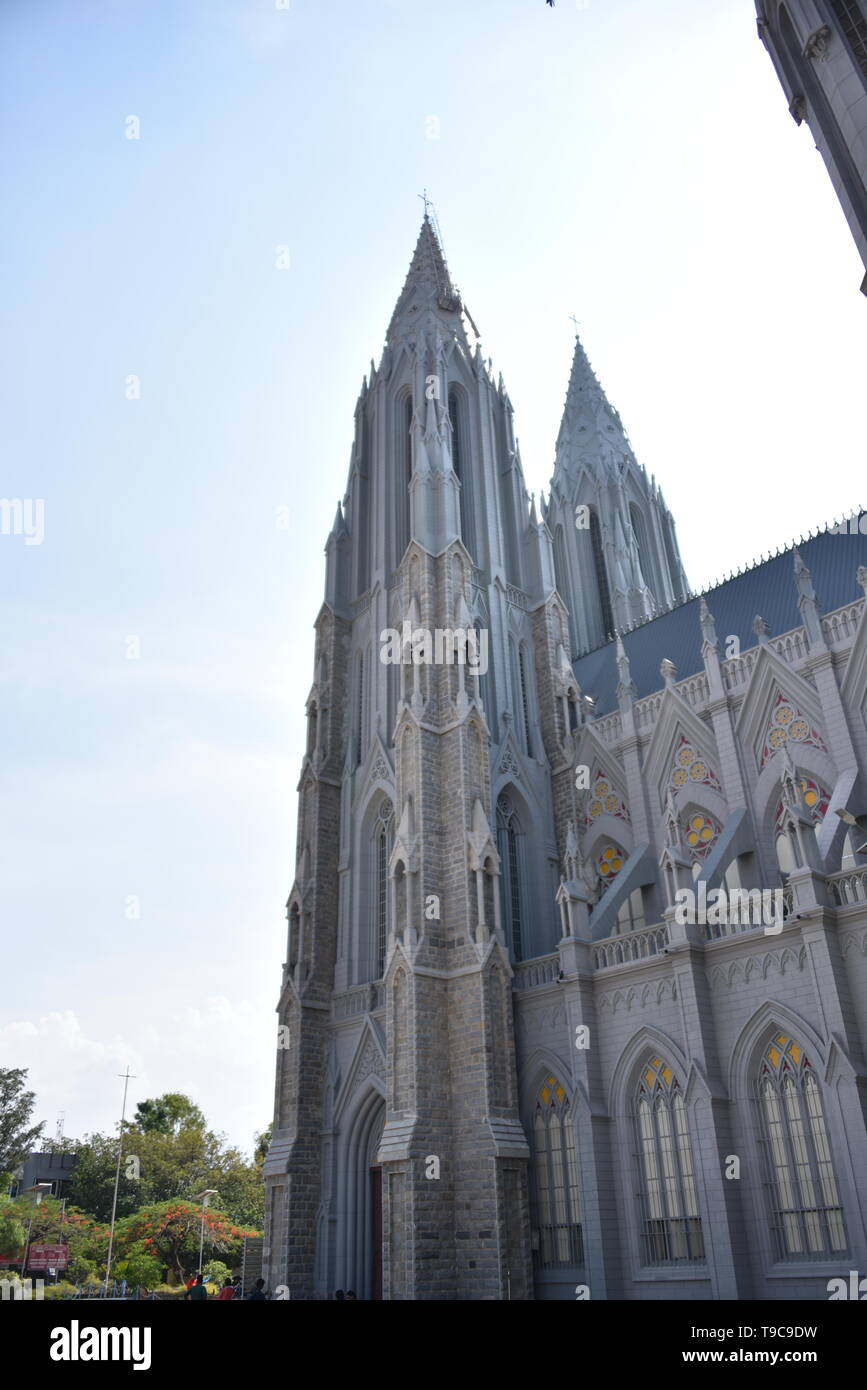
column 555, row 1169
column 670, row 1224
column 609, row 863
column 700, row 833
column 806, row 1217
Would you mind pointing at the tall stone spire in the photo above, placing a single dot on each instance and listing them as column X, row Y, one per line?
column 591, row 431
column 429, row 289
column 617, row 559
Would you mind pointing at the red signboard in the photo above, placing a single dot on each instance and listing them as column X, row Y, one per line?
column 48, row 1256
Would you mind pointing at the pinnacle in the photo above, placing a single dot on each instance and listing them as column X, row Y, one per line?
column 428, row 282
column 591, row 431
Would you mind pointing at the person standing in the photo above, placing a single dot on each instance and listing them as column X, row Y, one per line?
column 198, row 1290
column 227, row 1291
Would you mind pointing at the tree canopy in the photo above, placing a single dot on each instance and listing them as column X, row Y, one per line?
column 18, row 1137
column 168, row 1153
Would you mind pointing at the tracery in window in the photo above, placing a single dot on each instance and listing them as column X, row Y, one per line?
column 788, row 725
column 805, row 1214
column 670, row 1225
column 700, row 833
column 850, row 17
column 609, row 863
column 555, row 1172
column 689, row 766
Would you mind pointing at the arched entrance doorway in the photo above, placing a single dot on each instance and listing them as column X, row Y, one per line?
column 361, row 1247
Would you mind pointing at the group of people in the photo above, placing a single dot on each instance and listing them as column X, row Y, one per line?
column 197, row 1290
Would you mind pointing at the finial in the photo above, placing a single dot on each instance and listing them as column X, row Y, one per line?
column 861, row 577
column 668, row 671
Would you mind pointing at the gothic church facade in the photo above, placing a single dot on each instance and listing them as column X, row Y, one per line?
column 819, row 51
column 508, row 1067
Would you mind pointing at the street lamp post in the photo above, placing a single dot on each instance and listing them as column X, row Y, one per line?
column 208, row 1192
column 38, row 1190
column 127, row 1077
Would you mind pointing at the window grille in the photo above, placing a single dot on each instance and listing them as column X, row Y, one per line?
column 555, row 1170
column 670, row 1229
column 850, row 17
column 806, row 1217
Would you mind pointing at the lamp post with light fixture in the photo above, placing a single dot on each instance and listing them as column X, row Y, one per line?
column 208, row 1192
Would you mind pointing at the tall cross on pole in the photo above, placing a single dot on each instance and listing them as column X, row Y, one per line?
column 575, row 321
column 426, row 200
column 127, row 1077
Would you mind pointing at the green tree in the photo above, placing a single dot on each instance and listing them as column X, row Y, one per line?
column 17, row 1137
column 139, row 1266
column 12, row 1231
column 216, row 1272
column 263, row 1143
column 168, row 1114
column 168, row 1154
column 91, row 1186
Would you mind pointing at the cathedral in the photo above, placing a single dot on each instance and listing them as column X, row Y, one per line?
column 819, row 51
column 574, row 1003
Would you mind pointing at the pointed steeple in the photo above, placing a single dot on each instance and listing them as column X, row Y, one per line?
column 808, row 603
column 428, row 286
column 591, row 431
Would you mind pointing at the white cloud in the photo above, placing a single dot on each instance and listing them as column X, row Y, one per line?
column 219, row 1051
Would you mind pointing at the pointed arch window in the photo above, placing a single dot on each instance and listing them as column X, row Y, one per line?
column 404, row 474
column 555, row 1178
column 294, row 936
column 460, row 463
column 816, row 800
column 850, row 16
column 670, row 1225
column 362, row 511
column 481, row 679
column 510, row 850
column 359, row 708
column 631, row 916
column 640, row 534
column 525, row 700
column 601, row 575
column 805, row 1214
column 382, row 846
column 561, row 578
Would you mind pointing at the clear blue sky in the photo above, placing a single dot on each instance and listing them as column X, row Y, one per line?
column 629, row 163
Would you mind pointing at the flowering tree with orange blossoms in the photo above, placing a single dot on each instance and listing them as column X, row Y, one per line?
column 171, row 1231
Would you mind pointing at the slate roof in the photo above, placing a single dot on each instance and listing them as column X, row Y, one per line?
column 768, row 589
